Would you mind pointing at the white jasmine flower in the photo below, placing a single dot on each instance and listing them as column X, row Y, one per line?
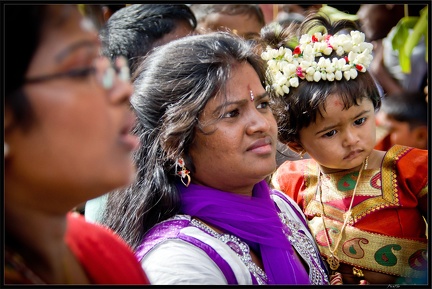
column 327, row 50
column 310, row 71
column 353, row 73
column 324, row 75
column 288, row 66
column 294, row 82
column 347, row 75
column 317, row 76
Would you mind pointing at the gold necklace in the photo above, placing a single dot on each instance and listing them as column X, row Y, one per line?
column 333, row 260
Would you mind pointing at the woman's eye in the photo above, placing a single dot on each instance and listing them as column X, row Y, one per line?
column 82, row 72
column 232, row 113
column 264, row 104
column 360, row 121
column 330, row 133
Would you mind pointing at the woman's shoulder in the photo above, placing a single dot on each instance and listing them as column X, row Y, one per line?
column 183, row 250
column 288, row 206
column 184, row 231
column 106, row 258
column 176, row 261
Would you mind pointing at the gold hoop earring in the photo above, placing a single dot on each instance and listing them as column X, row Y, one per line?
column 183, row 172
column 301, row 154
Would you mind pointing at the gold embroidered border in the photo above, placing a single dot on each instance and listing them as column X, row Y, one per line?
column 389, row 197
column 368, row 250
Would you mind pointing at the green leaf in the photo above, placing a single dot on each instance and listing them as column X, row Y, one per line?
column 409, row 31
column 426, row 36
column 399, row 37
column 402, row 31
column 413, row 39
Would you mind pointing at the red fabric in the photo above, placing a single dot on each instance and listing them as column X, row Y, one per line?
column 384, row 144
column 403, row 218
column 105, row 256
column 290, row 179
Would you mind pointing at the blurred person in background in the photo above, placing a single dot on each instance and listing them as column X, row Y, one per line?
column 245, row 20
column 404, row 117
column 133, row 32
column 66, row 140
column 110, row 9
column 378, row 22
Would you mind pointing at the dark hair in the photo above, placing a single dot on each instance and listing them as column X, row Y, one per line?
column 113, row 7
column 300, row 107
column 410, row 107
column 18, row 54
column 177, row 82
column 134, row 30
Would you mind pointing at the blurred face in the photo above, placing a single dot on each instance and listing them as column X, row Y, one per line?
column 400, row 132
column 296, row 8
column 341, row 139
column 376, row 20
column 243, row 25
column 79, row 145
column 239, row 150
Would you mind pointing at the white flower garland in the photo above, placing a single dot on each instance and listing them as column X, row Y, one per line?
column 287, row 66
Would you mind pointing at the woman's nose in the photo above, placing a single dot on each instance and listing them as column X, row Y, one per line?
column 259, row 122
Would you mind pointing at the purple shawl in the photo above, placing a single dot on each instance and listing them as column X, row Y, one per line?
column 254, row 220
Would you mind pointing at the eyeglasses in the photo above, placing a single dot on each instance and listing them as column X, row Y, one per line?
column 104, row 71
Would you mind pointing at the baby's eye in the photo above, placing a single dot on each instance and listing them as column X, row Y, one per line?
column 232, row 113
column 330, row 133
column 360, row 121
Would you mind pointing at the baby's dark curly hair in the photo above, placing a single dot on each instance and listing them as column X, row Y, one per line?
column 300, row 107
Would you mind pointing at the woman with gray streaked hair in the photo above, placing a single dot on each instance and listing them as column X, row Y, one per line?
column 201, row 211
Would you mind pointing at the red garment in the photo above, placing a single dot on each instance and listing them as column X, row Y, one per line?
column 105, row 256
column 383, row 144
column 387, row 231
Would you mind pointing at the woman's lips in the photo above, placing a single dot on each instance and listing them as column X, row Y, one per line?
column 261, row 146
column 130, row 141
